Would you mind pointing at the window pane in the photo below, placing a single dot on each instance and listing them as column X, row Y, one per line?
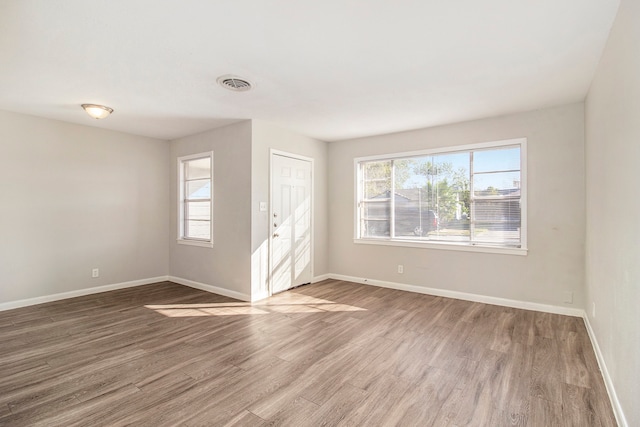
column 199, row 189
column 497, row 221
column 198, row 210
column 432, row 193
column 375, row 218
column 498, row 159
column 376, row 180
column 198, row 168
column 375, row 209
column 500, row 184
column 429, row 197
column 414, row 219
column 497, row 234
column 503, row 211
column 196, row 197
column 198, row 229
column 489, row 234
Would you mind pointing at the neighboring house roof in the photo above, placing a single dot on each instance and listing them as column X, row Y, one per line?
column 511, row 192
column 410, row 194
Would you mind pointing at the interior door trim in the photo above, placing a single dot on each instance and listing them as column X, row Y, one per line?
column 273, row 152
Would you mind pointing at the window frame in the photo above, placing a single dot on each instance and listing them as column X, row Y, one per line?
column 193, row 241
column 444, row 245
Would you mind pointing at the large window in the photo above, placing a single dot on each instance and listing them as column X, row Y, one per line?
column 471, row 196
column 195, row 211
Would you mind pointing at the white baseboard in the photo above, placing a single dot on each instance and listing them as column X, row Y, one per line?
column 95, row 290
column 320, row 278
column 210, row 288
column 613, row 397
column 526, row 305
column 80, row 292
column 615, row 403
column 244, row 297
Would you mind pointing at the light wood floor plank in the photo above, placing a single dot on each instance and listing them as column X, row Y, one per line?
column 295, row 413
column 332, row 353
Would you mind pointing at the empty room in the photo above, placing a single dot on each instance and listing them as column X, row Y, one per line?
column 253, row 213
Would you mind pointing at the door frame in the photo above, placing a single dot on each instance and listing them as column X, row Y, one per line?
column 273, row 152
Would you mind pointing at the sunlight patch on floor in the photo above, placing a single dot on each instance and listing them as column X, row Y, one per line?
column 289, row 302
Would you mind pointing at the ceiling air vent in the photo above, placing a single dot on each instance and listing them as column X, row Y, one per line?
column 234, row 83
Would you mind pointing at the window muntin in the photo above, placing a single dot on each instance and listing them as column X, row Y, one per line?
column 469, row 196
column 196, row 199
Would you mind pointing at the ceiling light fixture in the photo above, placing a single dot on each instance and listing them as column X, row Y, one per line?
column 97, row 111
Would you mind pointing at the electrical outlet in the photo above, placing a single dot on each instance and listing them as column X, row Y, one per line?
column 568, row 297
column 400, row 268
column 95, row 273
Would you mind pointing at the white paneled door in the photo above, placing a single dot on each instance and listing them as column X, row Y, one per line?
column 290, row 222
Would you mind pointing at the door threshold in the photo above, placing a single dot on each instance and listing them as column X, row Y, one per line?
column 299, row 286
column 290, row 289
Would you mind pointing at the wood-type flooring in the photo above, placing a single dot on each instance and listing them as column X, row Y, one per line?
column 332, row 353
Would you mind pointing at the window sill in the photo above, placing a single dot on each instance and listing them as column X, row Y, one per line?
column 443, row 246
column 202, row 244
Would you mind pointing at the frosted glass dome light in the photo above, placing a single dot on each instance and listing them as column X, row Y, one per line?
column 97, row 111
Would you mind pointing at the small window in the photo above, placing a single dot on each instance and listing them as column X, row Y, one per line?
column 471, row 196
column 195, row 211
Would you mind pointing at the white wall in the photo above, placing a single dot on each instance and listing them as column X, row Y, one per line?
column 267, row 136
column 555, row 261
column 613, row 207
column 227, row 265
column 74, row 198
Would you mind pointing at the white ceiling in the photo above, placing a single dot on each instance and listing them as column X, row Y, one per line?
column 330, row 69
